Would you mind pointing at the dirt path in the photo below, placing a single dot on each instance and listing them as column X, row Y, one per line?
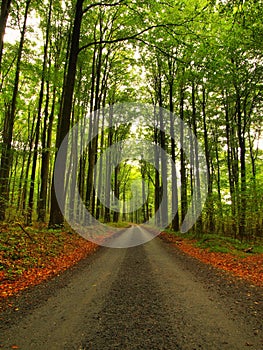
column 147, row 297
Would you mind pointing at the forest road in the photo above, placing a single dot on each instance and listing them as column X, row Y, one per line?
column 151, row 296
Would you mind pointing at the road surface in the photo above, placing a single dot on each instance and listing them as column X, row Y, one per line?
column 147, row 297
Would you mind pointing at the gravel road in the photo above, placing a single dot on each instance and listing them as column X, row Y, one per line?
column 151, row 296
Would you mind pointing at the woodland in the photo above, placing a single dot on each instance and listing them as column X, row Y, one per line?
column 61, row 61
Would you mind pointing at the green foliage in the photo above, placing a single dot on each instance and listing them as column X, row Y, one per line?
column 120, row 224
column 221, row 244
column 20, row 251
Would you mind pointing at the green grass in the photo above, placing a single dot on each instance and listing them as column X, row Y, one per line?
column 221, row 244
column 216, row 243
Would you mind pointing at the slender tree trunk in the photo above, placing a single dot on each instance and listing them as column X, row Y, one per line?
column 26, row 177
column 175, row 212
column 20, row 185
column 196, row 152
column 164, row 201
column 13, row 177
column 9, row 126
column 39, row 116
column 219, row 196
column 157, row 179
column 108, row 171
column 242, row 148
column 98, row 204
column 45, row 163
column 92, row 123
column 183, row 160
column 5, row 8
column 116, row 191
column 144, row 216
column 124, row 204
column 210, row 202
column 231, row 176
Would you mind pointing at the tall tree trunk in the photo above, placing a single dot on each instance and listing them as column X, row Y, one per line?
column 56, row 216
column 175, row 212
column 94, row 142
column 108, row 170
column 143, row 173
column 199, row 223
column 5, row 8
column 219, row 195
column 164, row 194
column 9, row 126
column 26, row 177
column 116, row 191
column 157, row 178
column 92, row 122
column 98, row 204
column 183, row 160
column 231, row 170
column 20, row 185
column 210, row 202
column 45, row 163
column 241, row 124
column 39, row 116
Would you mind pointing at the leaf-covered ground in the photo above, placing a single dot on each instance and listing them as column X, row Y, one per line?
column 247, row 266
column 31, row 256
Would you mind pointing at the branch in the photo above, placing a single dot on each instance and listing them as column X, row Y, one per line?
column 167, row 54
column 27, row 233
column 134, row 36
column 101, row 4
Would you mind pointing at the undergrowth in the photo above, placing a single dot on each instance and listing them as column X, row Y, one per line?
column 222, row 244
column 21, row 249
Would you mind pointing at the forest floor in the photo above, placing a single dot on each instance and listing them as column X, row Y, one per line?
column 32, row 255
column 243, row 260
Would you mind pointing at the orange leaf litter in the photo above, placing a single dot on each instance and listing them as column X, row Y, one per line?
column 36, row 275
column 249, row 268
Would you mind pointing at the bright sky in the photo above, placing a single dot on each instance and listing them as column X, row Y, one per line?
column 13, row 35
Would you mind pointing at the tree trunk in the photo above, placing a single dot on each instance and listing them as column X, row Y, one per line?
column 116, row 192
column 164, row 202
column 5, row 8
column 108, row 171
column 175, row 212
column 183, row 160
column 39, row 116
column 210, row 202
column 9, row 126
column 56, row 216
column 45, row 163
column 241, row 123
column 219, row 196
column 231, row 167
column 199, row 223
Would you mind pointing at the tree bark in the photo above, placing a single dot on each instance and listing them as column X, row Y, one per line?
column 5, row 8
column 39, row 116
column 175, row 212
column 56, row 216
column 9, row 126
column 183, row 160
